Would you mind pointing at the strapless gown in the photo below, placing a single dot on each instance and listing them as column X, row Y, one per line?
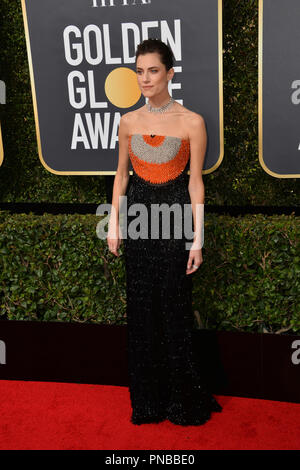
column 164, row 382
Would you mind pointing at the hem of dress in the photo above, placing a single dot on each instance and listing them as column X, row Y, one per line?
column 176, row 414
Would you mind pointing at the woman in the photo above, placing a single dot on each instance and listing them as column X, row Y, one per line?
column 162, row 139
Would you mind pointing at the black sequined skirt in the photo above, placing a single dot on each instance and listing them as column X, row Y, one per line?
column 164, row 382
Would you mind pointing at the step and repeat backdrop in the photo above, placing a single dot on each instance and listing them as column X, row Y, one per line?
column 82, row 64
column 279, row 87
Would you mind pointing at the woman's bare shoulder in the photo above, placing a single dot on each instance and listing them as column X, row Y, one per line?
column 132, row 117
column 190, row 120
column 189, row 114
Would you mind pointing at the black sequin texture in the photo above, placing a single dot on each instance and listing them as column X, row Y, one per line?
column 164, row 382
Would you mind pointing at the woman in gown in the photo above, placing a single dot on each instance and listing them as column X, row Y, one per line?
column 162, row 140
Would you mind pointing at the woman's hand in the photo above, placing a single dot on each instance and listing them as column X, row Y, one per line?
column 113, row 239
column 194, row 261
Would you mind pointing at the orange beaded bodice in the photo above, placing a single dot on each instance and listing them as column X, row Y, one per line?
column 160, row 158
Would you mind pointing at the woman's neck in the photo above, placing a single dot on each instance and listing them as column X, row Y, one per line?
column 158, row 101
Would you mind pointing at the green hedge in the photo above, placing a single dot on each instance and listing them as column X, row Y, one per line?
column 55, row 268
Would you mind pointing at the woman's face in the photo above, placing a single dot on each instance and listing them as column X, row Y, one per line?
column 152, row 72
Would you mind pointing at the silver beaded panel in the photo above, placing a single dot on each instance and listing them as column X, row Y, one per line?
column 163, row 153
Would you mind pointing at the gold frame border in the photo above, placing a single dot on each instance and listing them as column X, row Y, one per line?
column 260, row 98
column 221, row 108
column 221, row 120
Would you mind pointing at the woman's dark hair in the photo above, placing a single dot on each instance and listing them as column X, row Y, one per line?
column 156, row 45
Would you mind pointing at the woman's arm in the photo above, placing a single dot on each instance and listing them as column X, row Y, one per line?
column 119, row 187
column 198, row 143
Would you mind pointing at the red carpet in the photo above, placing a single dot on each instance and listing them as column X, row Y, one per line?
column 49, row 415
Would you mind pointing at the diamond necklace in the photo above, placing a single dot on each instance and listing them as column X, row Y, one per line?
column 161, row 109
